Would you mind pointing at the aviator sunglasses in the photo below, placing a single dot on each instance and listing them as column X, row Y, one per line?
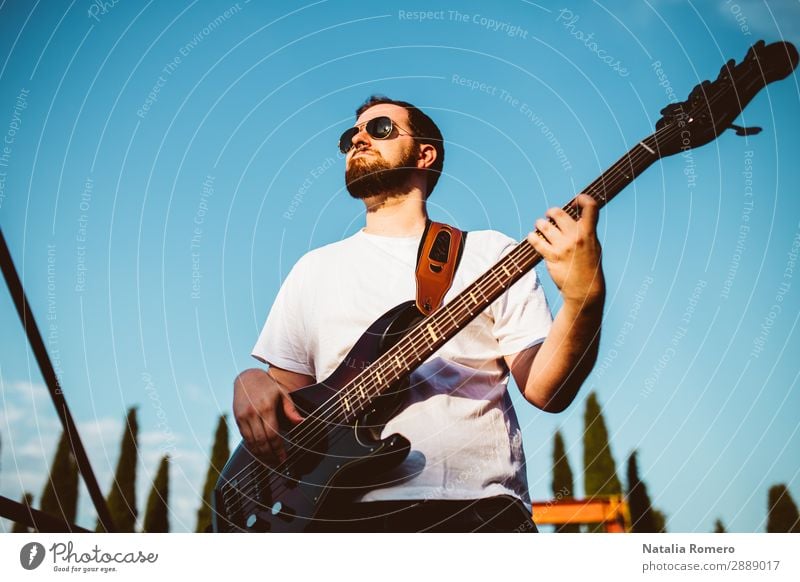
column 377, row 128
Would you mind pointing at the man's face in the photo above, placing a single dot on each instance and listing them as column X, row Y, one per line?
column 375, row 167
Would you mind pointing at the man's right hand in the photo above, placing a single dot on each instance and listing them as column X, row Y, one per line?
column 258, row 399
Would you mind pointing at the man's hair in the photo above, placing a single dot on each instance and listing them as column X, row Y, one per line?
column 424, row 130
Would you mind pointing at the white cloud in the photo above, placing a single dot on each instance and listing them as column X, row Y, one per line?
column 29, row 439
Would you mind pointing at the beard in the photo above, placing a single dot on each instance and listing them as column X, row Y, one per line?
column 373, row 177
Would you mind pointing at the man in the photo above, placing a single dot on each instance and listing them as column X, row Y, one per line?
column 466, row 469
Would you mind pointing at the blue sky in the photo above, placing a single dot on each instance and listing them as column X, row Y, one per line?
column 169, row 162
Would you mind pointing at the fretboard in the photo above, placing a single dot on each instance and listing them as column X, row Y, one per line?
column 437, row 329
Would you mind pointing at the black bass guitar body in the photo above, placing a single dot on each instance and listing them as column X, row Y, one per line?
column 327, row 458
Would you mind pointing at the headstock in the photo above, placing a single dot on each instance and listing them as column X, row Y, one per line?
column 712, row 106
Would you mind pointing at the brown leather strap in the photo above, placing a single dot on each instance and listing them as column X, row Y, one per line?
column 437, row 260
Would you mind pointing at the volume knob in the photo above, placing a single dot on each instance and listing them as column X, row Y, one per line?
column 257, row 523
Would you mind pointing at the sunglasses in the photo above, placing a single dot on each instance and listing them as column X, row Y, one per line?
column 377, row 128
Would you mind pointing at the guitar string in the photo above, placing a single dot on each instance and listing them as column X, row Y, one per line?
column 595, row 189
column 334, row 408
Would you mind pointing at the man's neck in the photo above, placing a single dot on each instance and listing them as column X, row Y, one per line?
column 397, row 216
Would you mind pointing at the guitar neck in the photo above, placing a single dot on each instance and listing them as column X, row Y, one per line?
column 444, row 323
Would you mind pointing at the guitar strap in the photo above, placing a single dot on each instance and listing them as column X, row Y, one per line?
column 438, row 256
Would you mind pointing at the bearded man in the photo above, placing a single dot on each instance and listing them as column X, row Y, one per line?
column 466, row 468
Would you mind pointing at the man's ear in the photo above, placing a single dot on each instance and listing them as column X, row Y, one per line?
column 426, row 156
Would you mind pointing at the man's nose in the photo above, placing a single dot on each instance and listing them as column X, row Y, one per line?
column 361, row 137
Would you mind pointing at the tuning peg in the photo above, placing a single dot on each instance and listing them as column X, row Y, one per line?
column 751, row 53
column 745, row 131
column 672, row 109
column 726, row 71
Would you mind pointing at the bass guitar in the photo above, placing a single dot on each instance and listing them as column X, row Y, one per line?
column 330, row 454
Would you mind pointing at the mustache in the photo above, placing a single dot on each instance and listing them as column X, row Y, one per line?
column 366, row 149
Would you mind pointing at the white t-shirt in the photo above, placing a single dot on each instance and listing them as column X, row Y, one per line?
column 465, row 439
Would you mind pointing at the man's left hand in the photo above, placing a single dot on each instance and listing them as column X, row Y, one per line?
column 572, row 252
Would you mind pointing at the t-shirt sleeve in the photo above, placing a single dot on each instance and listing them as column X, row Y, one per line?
column 283, row 341
column 521, row 315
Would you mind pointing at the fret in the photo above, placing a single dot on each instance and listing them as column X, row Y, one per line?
column 511, row 260
column 526, row 255
column 492, row 272
column 426, row 337
column 480, row 290
column 433, row 333
column 459, row 307
column 356, row 402
column 449, row 312
column 485, row 281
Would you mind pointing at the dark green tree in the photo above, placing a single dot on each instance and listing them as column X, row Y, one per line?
column 60, row 494
column 27, row 501
column 659, row 521
column 719, row 527
column 156, row 516
column 219, row 456
column 599, row 469
column 122, row 497
column 639, row 502
column 563, row 486
column 782, row 515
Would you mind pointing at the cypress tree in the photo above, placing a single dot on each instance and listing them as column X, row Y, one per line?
column 156, row 517
column 638, row 500
column 599, row 469
column 27, row 501
column 659, row 521
column 122, row 497
column 782, row 515
column 60, row 494
column 719, row 527
column 563, row 487
column 219, row 456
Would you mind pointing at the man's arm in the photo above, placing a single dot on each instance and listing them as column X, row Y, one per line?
column 550, row 374
column 290, row 380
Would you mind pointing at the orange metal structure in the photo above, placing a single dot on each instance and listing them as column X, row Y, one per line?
column 611, row 511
